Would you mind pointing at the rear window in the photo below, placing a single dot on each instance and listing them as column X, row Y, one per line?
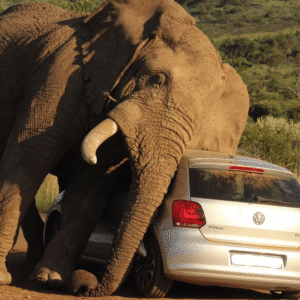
column 244, row 187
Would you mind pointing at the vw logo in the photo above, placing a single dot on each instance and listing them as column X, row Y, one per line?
column 259, row 218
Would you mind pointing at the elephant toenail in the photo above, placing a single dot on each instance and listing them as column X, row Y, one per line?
column 42, row 277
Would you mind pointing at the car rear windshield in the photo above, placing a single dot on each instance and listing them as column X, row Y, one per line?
column 244, row 187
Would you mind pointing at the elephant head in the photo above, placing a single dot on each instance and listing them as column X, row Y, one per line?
column 169, row 90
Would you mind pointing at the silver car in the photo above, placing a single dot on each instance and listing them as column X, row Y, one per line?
column 226, row 220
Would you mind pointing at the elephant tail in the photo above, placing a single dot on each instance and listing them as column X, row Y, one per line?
column 83, row 283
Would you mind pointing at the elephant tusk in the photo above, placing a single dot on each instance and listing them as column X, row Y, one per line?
column 95, row 138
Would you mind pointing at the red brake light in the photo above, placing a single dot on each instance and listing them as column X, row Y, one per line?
column 187, row 214
column 246, row 169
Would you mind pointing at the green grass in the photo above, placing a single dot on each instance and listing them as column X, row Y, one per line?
column 256, row 35
column 219, row 18
column 47, row 193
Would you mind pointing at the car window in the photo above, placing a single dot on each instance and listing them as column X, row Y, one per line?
column 244, row 187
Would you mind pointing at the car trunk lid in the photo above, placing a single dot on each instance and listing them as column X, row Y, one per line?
column 252, row 224
column 247, row 205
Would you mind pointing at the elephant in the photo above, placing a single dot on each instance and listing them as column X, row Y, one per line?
column 134, row 81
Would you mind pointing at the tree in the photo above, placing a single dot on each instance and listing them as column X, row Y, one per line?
column 296, row 89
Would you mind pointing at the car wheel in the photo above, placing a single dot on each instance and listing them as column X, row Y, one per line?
column 286, row 295
column 52, row 228
column 148, row 274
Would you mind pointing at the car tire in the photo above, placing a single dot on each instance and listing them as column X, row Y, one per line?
column 147, row 272
column 52, row 228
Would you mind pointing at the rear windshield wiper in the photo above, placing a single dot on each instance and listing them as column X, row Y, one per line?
column 258, row 199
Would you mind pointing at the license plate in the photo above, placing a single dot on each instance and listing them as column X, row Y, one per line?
column 256, row 260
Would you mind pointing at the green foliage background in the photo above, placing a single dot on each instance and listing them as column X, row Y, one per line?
column 274, row 140
column 261, row 39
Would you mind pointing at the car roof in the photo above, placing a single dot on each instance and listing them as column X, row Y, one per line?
column 210, row 157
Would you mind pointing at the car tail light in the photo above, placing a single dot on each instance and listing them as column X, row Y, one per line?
column 246, row 169
column 187, row 214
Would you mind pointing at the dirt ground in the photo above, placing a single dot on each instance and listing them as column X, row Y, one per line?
column 22, row 288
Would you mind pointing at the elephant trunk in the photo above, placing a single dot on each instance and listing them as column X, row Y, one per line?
column 95, row 138
column 147, row 192
column 144, row 202
column 154, row 161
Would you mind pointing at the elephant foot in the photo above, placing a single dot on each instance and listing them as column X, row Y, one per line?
column 5, row 277
column 51, row 277
column 58, row 262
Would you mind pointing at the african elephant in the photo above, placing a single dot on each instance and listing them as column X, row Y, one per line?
column 134, row 80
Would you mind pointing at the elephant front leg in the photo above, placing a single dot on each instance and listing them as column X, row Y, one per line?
column 32, row 227
column 61, row 255
column 22, row 171
column 80, row 214
column 15, row 199
column 82, row 207
column 84, row 202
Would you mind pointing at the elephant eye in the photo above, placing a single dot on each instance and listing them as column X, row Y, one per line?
column 157, row 80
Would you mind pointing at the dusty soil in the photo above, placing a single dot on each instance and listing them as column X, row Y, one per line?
column 23, row 288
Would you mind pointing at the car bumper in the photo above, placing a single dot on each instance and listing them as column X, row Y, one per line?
column 189, row 257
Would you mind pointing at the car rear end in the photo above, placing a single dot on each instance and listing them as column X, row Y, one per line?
column 231, row 221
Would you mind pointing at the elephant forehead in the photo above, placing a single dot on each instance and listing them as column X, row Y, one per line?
column 196, row 83
column 195, row 69
column 192, row 52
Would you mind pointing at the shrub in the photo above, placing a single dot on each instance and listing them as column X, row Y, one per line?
column 272, row 108
column 239, row 63
column 293, row 110
column 273, row 139
column 238, row 47
column 270, row 50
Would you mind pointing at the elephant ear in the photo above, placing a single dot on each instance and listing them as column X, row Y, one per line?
column 224, row 119
column 106, row 54
column 118, row 31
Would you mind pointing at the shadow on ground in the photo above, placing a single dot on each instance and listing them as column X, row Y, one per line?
column 16, row 264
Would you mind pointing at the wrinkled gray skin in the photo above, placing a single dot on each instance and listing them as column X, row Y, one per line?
column 57, row 69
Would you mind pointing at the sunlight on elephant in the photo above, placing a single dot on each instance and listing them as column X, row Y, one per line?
column 135, row 80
